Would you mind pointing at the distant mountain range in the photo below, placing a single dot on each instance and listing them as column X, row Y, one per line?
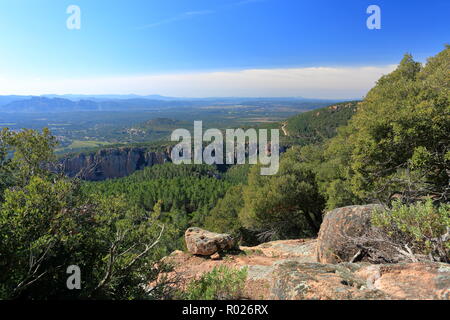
column 74, row 103
column 45, row 105
column 103, row 97
column 4, row 100
column 100, row 97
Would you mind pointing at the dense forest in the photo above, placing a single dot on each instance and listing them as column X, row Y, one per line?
column 391, row 148
column 316, row 126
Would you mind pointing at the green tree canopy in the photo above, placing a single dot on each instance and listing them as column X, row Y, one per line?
column 285, row 205
column 48, row 224
column 398, row 140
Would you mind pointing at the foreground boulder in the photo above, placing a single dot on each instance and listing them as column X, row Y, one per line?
column 340, row 229
column 205, row 243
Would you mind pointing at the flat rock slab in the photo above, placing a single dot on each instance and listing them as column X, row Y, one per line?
column 300, row 248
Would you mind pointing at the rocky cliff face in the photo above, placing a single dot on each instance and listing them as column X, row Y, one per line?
column 110, row 163
column 113, row 162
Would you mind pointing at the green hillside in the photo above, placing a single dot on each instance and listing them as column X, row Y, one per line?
column 320, row 124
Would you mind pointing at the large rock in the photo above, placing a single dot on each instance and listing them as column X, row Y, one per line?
column 340, row 229
column 205, row 243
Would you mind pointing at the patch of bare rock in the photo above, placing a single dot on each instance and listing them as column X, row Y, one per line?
column 312, row 269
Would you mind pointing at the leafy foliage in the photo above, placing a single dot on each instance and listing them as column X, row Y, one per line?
column 48, row 224
column 224, row 216
column 321, row 124
column 422, row 227
column 397, row 142
column 22, row 155
column 222, row 283
column 237, row 174
column 285, row 205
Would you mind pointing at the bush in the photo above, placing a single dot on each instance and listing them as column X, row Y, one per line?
column 287, row 205
column 222, row 283
column 422, row 228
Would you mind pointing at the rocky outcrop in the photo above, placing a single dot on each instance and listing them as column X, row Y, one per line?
column 113, row 162
column 340, row 229
column 293, row 280
column 110, row 163
column 288, row 270
column 205, row 243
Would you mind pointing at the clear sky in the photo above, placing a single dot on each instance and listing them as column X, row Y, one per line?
column 314, row 48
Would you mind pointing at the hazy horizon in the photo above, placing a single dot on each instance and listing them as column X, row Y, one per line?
column 157, row 96
column 310, row 83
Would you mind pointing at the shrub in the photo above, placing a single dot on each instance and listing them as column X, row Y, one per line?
column 222, row 283
column 422, row 228
column 285, row 205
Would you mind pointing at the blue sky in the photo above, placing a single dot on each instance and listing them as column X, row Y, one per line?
column 125, row 45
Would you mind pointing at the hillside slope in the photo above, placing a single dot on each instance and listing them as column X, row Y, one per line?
column 320, row 124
